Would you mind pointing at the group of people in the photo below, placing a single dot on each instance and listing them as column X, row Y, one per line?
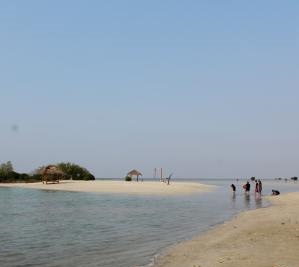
column 246, row 187
column 258, row 188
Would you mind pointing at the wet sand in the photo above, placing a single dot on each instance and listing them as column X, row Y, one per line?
column 267, row 237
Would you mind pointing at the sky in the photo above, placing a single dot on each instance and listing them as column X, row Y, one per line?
column 203, row 89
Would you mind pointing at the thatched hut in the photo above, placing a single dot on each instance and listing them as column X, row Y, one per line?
column 51, row 173
column 134, row 173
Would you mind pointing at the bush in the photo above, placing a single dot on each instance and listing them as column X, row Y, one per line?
column 14, row 177
column 128, row 178
column 71, row 171
column 75, row 172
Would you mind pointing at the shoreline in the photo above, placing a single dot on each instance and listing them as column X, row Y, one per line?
column 119, row 187
column 264, row 237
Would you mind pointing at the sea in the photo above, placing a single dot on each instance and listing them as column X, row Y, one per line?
column 71, row 229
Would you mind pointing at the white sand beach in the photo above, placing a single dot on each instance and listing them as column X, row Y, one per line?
column 267, row 237
column 98, row 186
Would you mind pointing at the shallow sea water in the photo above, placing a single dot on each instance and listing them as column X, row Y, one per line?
column 54, row 228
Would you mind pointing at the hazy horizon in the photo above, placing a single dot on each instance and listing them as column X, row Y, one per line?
column 198, row 88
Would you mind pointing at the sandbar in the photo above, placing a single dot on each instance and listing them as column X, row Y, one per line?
column 120, row 187
column 266, row 237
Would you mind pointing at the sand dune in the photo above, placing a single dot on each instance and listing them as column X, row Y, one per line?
column 267, row 237
column 151, row 188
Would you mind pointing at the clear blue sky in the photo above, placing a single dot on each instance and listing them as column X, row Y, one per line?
column 200, row 88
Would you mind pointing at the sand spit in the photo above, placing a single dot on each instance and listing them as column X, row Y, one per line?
column 120, row 187
column 267, row 237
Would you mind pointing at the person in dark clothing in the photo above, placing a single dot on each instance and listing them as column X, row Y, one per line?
column 260, row 186
column 256, row 187
column 233, row 187
column 275, row 192
column 247, row 187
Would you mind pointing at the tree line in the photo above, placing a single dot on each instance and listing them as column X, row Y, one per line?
column 71, row 172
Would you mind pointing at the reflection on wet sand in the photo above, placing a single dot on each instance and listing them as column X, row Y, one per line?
column 249, row 201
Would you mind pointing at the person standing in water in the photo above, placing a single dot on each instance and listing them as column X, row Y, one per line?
column 256, row 187
column 247, row 187
column 233, row 187
column 260, row 187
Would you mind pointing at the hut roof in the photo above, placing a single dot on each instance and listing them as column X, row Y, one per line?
column 134, row 172
column 51, row 169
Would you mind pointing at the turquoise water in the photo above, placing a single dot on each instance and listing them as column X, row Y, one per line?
column 54, row 228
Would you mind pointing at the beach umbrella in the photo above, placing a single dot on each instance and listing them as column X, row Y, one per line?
column 134, row 173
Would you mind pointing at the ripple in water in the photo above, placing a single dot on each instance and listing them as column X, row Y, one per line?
column 54, row 228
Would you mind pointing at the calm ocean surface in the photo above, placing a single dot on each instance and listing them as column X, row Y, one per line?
column 54, row 228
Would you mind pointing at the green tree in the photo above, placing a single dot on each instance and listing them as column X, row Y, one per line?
column 6, row 168
column 74, row 171
column 8, row 175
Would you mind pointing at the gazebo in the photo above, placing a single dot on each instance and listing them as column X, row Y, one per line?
column 51, row 173
column 134, row 173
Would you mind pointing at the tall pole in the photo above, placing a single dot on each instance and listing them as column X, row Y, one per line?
column 161, row 178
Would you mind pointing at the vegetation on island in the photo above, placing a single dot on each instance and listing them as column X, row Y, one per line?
column 74, row 172
column 9, row 175
column 68, row 171
column 295, row 178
